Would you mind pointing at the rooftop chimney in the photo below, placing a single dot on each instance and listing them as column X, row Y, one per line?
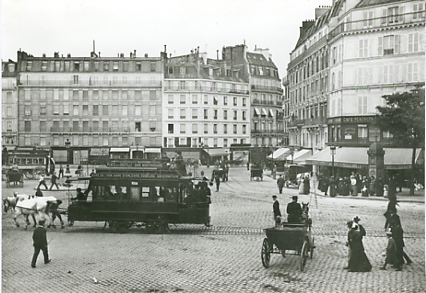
column 146, row 55
column 165, row 48
column 134, row 53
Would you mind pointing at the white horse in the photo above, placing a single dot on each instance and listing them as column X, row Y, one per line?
column 33, row 205
column 11, row 201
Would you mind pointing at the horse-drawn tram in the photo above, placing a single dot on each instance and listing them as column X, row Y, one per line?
column 141, row 195
column 288, row 236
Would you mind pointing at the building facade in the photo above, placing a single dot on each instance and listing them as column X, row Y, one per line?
column 377, row 48
column 204, row 103
column 308, row 78
column 266, row 93
column 89, row 101
column 9, row 104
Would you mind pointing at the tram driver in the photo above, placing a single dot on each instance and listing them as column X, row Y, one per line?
column 80, row 195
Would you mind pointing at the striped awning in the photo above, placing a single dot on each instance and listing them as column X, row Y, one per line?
column 119, row 150
column 357, row 157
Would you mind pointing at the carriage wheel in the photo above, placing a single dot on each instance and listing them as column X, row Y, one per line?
column 266, row 252
column 312, row 249
column 303, row 255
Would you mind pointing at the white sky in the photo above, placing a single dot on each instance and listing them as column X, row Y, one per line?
column 48, row 26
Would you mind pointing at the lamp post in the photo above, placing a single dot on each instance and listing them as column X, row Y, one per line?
column 67, row 146
column 333, row 153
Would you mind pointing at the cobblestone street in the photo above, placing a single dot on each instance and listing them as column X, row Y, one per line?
column 221, row 258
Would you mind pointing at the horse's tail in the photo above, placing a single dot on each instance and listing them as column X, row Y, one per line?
column 5, row 205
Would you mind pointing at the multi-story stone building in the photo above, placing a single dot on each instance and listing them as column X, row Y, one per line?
column 205, row 104
column 308, row 78
column 266, row 117
column 377, row 48
column 86, row 102
column 9, row 104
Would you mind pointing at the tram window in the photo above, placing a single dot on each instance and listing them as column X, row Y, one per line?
column 145, row 192
column 170, row 194
column 135, row 193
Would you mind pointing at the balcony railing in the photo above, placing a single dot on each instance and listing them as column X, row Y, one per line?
column 307, row 122
column 90, row 129
column 378, row 22
column 96, row 83
column 267, row 88
column 205, row 89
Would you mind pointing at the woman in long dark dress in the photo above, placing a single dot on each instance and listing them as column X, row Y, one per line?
column 358, row 261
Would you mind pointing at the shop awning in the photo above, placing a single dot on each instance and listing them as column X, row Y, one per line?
column 280, row 154
column 271, row 112
column 256, row 111
column 153, row 150
column 119, row 150
column 217, row 152
column 264, row 112
column 357, row 158
column 300, row 156
column 99, row 152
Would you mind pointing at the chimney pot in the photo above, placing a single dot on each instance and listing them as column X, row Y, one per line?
column 146, row 55
column 134, row 53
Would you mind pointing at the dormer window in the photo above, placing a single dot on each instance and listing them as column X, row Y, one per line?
column 11, row 67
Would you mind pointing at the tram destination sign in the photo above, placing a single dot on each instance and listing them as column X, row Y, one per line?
column 158, row 175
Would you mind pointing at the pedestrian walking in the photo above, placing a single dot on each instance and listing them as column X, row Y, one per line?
column 53, row 180
column 40, row 243
column 42, row 181
column 61, row 172
column 217, row 181
column 391, row 257
column 349, row 225
column 276, row 209
column 280, row 184
column 358, row 261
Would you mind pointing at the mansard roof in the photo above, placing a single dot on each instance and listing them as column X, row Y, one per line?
column 366, row 3
column 259, row 59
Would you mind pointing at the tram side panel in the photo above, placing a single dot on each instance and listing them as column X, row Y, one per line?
column 139, row 201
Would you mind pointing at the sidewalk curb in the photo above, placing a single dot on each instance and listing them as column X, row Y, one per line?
column 369, row 198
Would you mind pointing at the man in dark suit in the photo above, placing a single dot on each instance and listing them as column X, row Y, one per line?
column 276, row 208
column 294, row 210
column 40, row 243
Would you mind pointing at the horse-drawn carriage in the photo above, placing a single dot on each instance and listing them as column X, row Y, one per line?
column 14, row 176
column 256, row 173
column 289, row 236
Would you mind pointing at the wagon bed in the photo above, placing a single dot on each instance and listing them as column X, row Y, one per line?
column 256, row 173
column 287, row 236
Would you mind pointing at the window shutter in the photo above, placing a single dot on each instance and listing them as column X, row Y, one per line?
column 359, row 105
column 384, row 14
column 401, row 14
column 397, row 47
column 410, row 43
column 380, row 46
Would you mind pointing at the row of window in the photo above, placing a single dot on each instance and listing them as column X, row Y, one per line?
column 93, row 110
column 194, row 99
column 86, row 140
column 85, row 95
column 195, row 128
column 90, row 126
column 90, row 66
column 199, row 142
column 195, row 114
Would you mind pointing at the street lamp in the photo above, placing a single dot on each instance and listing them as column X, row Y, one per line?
column 333, row 153
column 67, row 146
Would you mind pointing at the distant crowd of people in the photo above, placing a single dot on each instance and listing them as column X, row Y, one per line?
column 356, row 184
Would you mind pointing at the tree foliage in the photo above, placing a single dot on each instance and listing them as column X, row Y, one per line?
column 404, row 117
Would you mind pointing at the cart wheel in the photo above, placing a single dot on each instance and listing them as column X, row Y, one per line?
column 266, row 252
column 312, row 248
column 303, row 255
